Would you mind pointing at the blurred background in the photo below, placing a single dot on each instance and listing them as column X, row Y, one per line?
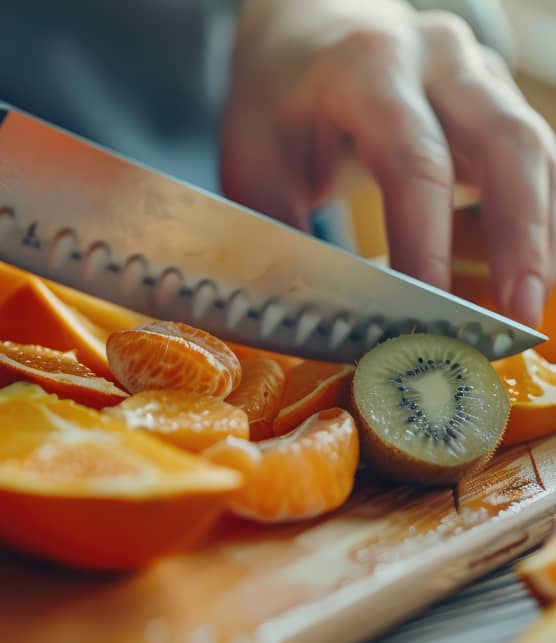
column 148, row 79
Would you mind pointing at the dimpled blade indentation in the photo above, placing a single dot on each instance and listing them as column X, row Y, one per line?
column 433, row 397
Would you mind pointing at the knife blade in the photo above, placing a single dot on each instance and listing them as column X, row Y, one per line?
column 76, row 213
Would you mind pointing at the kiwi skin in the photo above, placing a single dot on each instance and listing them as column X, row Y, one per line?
column 390, row 463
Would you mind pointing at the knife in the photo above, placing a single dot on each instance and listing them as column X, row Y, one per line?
column 76, row 213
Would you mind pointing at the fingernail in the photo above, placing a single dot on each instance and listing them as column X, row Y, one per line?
column 527, row 303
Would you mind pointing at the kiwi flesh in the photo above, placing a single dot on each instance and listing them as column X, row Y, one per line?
column 430, row 409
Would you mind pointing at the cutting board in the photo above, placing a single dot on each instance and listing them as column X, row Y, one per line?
column 389, row 552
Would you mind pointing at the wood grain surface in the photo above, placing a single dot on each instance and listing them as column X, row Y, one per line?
column 388, row 553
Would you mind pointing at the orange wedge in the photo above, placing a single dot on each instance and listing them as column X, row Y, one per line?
column 302, row 475
column 33, row 314
column 312, row 387
column 538, row 572
column 11, row 278
column 531, row 384
column 171, row 355
column 106, row 315
column 78, row 488
column 58, row 373
column 187, row 420
column 259, row 394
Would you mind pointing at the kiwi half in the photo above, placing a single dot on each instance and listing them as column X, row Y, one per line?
column 430, row 409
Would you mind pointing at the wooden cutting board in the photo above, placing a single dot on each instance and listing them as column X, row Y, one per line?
column 388, row 553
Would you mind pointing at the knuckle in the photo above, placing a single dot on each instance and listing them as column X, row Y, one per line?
column 393, row 111
column 427, row 162
column 447, row 28
column 495, row 59
column 520, row 130
column 383, row 44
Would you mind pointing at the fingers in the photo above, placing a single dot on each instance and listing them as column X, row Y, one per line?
column 415, row 173
column 380, row 104
column 512, row 153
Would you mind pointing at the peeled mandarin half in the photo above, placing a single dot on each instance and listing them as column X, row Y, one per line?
column 56, row 372
column 531, row 384
column 78, row 488
column 259, row 394
column 187, row 420
column 301, row 475
column 286, row 362
column 172, row 355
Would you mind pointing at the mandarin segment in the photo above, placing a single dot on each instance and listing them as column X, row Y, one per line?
column 56, row 372
column 259, row 394
column 301, row 475
column 187, row 420
column 287, row 362
column 172, row 355
column 78, row 488
column 311, row 387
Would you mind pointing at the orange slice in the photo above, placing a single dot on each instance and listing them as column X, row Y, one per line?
column 187, row 420
column 531, row 384
column 538, row 572
column 35, row 315
column 171, row 355
column 312, row 387
column 11, row 278
column 106, row 315
column 259, row 394
column 56, row 372
column 302, row 475
column 77, row 487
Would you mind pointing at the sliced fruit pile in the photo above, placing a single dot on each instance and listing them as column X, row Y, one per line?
column 77, row 487
column 110, row 421
column 124, row 438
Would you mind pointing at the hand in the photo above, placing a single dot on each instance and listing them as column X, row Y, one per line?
column 420, row 102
